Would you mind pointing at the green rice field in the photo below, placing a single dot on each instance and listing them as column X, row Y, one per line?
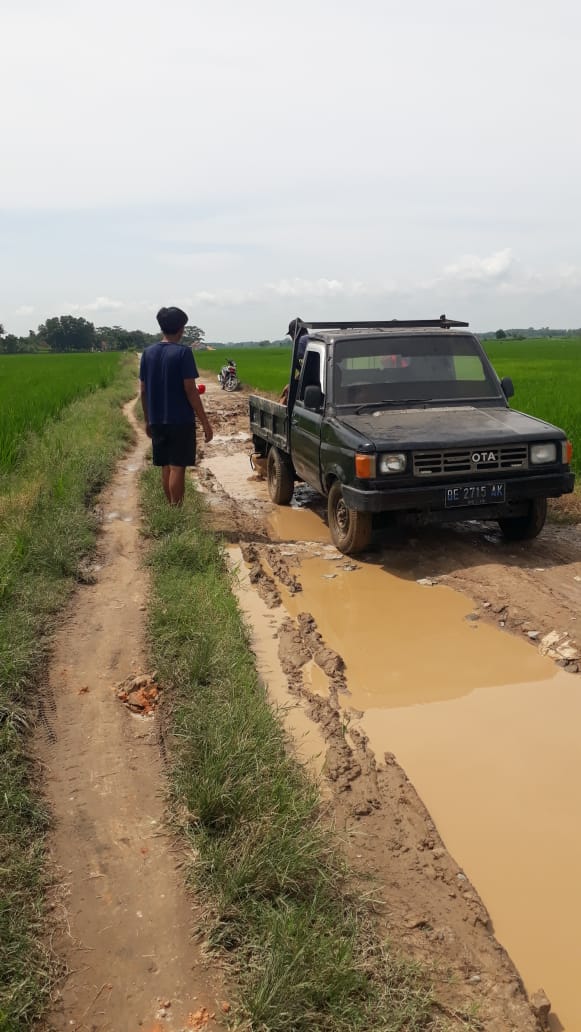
column 547, row 382
column 35, row 389
column 265, row 369
column 546, row 375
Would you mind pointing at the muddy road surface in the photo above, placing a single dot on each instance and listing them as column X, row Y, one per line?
column 124, row 926
column 433, row 685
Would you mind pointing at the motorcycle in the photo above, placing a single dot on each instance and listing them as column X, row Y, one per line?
column 228, row 377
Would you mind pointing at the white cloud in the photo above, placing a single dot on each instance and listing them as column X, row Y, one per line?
column 24, row 310
column 496, row 275
column 100, row 304
column 472, row 269
column 288, row 289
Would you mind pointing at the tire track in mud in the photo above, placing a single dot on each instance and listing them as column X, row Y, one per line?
column 425, row 903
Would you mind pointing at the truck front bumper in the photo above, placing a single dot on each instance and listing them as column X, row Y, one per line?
column 431, row 498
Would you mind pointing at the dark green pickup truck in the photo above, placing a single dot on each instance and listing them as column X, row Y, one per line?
column 407, row 417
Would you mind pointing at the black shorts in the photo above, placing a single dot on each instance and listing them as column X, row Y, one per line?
column 174, row 444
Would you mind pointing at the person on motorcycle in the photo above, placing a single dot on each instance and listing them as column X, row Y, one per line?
column 229, row 367
column 228, row 376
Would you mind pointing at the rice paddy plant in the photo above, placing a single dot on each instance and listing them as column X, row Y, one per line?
column 36, row 388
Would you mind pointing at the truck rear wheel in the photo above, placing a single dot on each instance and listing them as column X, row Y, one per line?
column 279, row 476
column 524, row 528
column 350, row 529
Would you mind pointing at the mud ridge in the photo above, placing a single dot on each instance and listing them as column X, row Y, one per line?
column 260, row 577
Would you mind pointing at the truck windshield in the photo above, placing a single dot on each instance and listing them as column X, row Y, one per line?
column 419, row 367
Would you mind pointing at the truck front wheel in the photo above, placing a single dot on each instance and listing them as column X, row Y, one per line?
column 524, row 528
column 279, row 476
column 350, row 529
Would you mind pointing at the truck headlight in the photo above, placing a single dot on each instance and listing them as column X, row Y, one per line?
column 541, row 453
column 392, row 462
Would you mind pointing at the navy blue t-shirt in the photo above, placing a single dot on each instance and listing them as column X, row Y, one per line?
column 163, row 369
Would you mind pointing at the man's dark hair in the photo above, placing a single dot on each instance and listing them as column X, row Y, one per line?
column 171, row 320
column 295, row 328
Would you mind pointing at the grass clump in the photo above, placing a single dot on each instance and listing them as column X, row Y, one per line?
column 46, row 528
column 303, row 947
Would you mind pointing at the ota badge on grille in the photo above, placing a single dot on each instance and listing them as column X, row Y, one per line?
column 484, row 456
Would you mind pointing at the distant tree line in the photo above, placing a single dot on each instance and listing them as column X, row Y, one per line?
column 249, row 344
column 528, row 333
column 66, row 333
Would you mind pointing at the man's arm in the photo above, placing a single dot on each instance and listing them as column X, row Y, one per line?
column 143, row 393
column 196, row 403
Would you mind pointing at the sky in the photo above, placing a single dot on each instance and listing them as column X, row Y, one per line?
column 255, row 161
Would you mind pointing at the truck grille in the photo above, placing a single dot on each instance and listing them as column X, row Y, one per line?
column 470, row 460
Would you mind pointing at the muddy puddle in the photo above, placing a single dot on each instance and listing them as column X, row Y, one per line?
column 487, row 730
column 484, row 726
column 297, row 522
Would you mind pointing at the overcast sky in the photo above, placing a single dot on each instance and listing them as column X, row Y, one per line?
column 251, row 161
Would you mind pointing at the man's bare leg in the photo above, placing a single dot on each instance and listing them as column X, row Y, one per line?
column 177, row 484
column 165, row 472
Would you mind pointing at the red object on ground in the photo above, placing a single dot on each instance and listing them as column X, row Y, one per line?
column 201, row 388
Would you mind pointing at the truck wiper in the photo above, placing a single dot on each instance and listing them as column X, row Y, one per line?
column 399, row 402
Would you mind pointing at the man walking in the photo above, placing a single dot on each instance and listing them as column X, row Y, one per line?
column 171, row 403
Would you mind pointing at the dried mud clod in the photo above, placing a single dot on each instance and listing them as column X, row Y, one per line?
column 349, row 765
column 280, row 568
column 259, row 576
column 140, row 694
column 541, row 1007
column 330, row 662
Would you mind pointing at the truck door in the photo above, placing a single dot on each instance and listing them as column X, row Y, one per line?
column 305, row 430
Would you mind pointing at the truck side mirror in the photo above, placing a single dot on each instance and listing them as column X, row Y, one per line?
column 507, row 386
column 314, row 397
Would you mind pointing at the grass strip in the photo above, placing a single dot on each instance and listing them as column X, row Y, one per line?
column 304, row 950
column 46, row 528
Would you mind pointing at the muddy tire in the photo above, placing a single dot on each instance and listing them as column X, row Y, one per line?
column 231, row 384
column 350, row 529
column 279, row 476
column 524, row 528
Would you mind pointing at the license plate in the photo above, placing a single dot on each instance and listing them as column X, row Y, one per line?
column 474, row 494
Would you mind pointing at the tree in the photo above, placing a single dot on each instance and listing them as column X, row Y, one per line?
column 9, row 344
column 500, row 335
column 193, row 335
column 68, row 333
column 1, row 330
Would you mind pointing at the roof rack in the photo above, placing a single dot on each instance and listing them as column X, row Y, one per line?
column 373, row 324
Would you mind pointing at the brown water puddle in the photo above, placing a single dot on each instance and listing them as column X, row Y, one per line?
column 296, row 524
column 487, row 731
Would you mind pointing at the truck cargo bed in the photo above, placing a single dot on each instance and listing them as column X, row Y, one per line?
column 269, row 421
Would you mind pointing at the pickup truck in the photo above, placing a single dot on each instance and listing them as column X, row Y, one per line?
column 407, row 417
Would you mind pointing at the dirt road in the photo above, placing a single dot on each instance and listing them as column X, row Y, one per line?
column 470, row 693
column 124, row 926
